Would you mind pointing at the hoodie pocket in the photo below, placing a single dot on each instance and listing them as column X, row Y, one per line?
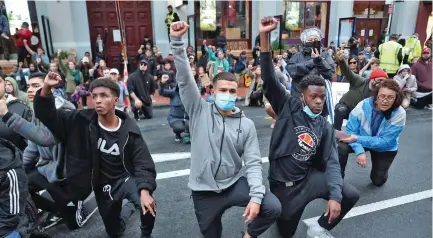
column 226, row 171
column 205, row 175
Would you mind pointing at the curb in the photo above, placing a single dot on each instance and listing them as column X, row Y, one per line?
column 167, row 105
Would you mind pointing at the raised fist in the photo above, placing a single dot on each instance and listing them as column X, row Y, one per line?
column 178, row 28
column 25, row 41
column 268, row 24
column 339, row 56
column 164, row 78
column 52, row 79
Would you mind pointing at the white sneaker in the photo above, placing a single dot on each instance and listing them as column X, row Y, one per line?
column 316, row 231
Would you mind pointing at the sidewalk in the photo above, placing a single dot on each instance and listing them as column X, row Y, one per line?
column 164, row 102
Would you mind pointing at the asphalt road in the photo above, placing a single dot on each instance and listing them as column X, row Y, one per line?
column 410, row 173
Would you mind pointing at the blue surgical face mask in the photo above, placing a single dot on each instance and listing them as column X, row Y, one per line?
column 307, row 110
column 310, row 113
column 225, row 101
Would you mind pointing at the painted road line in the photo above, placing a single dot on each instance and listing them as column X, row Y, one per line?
column 185, row 172
column 377, row 206
column 164, row 157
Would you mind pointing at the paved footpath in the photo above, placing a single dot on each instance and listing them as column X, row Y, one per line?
column 402, row 208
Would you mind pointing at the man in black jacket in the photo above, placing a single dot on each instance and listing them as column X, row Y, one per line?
column 303, row 152
column 106, row 152
column 141, row 87
column 15, row 106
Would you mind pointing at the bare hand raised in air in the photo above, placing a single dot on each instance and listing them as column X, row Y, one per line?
column 268, row 24
column 52, row 79
column 178, row 28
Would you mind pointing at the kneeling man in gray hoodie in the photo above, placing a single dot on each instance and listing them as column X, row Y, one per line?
column 222, row 138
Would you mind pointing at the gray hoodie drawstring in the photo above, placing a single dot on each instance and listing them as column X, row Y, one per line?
column 239, row 129
column 213, row 120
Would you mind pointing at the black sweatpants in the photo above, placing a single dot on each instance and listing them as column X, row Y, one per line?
column 295, row 198
column 146, row 110
column 423, row 102
column 210, row 206
column 341, row 112
column 381, row 162
column 180, row 126
column 115, row 214
column 58, row 193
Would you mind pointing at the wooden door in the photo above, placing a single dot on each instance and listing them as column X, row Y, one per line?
column 368, row 26
column 137, row 17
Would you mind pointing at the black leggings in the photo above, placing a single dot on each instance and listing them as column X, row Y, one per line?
column 421, row 103
column 381, row 162
column 179, row 127
column 341, row 112
column 58, row 193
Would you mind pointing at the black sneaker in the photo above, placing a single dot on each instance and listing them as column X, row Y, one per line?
column 84, row 212
column 50, row 221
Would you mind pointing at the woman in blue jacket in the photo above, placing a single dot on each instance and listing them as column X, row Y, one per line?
column 177, row 117
column 375, row 125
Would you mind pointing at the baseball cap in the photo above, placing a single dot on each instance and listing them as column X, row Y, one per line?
column 114, row 71
column 378, row 73
column 85, row 59
column 170, row 53
column 143, row 61
column 426, row 50
column 243, row 52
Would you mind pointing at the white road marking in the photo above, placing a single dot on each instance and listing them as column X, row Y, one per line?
column 164, row 157
column 184, row 172
column 381, row 205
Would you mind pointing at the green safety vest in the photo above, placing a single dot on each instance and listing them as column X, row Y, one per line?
column 388, row 56
column 170, row 19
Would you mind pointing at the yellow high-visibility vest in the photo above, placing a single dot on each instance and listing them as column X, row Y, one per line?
column 388, row 56
column 170, row 19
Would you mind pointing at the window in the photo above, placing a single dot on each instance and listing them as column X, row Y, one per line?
column 371, row 9
column 303, row 15
column 231, row 17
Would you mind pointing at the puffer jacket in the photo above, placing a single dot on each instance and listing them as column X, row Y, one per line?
column 177, row 110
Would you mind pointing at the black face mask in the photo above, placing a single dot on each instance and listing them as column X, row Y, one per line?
column 309, row 46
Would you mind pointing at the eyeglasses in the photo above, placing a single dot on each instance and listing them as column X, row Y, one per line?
column 143, row 64
column 353, row 62
column 388, row 98
column 425, row 53
column 113, row 74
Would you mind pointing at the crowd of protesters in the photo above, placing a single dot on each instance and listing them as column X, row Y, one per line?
column 295, row 86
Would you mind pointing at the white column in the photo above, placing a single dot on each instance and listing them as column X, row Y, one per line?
column 339, row 9
column 261, row 9
column 160, row 34
column 68, row 23
column 404, row 18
